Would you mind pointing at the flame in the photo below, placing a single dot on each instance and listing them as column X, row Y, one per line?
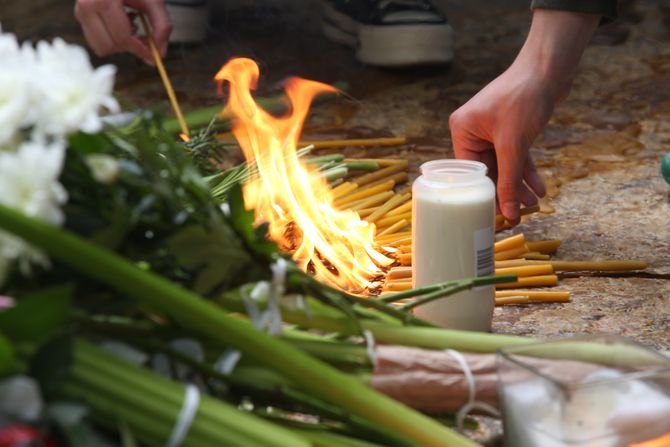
column 294, row 199
column 663, row 441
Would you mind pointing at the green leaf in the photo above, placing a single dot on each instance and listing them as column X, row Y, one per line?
column 37, row 315
column 50, row 365
column 85, row 143
column 112, row 235
column 216, row 254
column 243, row 220
column 6, row 356
column 126, row 435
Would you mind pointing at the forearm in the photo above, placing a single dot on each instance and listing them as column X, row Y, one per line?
column 554, row 45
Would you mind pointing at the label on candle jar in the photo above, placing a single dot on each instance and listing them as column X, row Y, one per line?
column 484, row 252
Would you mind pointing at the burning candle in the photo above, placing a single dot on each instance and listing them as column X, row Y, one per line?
column 612, row 415
column 619, row 397
column 452, row 237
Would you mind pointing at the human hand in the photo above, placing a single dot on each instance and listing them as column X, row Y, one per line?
column 497, row 127
column 108, row 28
column 499, row 124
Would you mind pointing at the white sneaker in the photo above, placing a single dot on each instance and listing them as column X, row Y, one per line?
column 391, row 33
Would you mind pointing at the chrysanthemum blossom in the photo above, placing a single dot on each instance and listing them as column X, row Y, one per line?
column 71, row 92
column 15, row 87
column 29, row 184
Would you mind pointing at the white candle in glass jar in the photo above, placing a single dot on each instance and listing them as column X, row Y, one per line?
column 453, row 222
column 614, row 413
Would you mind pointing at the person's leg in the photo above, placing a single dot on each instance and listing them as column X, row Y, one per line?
column 390, row 32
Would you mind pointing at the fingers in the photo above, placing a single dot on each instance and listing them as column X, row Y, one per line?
column 108, row 28
column 528, row 198
column 507, row 163
column 509, row 187
column 159, row 20
column 532, row 177
column 95, row 32
column 489, row 158
column 121, row 32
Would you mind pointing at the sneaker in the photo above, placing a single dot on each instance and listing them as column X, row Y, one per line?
column 189, row 19
column 391, row 33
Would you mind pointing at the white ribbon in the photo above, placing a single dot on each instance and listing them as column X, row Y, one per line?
column 269, row 320
column 370, row 342
column 227, row 361
column 471, row 404
column 185, row 417
column 301, row 304
column 277, row 289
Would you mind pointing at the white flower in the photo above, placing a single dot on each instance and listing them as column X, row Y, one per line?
column 70, row 91
column 14, row 103
column 9, row 46
column 104, row 168
column 15, row 87
column 29, row 184
column 29, row 180
column 53, row 89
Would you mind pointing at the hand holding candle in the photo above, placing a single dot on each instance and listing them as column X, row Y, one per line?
column 108, row 28
column 499, row 124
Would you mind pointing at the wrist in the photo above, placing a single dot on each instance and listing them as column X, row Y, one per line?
column 554, row 45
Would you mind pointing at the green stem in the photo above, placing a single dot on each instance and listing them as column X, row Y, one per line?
column 321, row 159
column 300, row 278
column 405, row 317
column 447, row 285
column 436, row 338
column 163, row 398
column 362, row 165
column 191, row 311
column 459, row 285
column 320, row 438
column 266, row 385
column 335, row 173
column 422, row 337
column 151, row 430
column 202, row 117
column 334, row 352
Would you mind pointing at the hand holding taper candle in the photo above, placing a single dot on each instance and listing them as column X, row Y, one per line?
column 108, row 29
column 499, row 124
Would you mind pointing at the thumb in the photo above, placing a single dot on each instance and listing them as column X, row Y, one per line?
column 510, row 173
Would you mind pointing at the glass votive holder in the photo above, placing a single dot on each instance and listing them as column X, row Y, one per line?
column 595, row 391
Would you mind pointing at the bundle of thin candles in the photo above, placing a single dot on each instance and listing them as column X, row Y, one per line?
column 530, row 261
column 384, row 198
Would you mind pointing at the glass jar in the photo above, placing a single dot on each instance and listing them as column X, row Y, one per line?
column 453, row 224
column 591, row 391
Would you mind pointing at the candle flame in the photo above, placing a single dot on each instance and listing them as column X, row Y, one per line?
column 663, row 441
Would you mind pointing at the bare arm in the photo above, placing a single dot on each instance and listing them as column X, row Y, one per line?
column 499, row 124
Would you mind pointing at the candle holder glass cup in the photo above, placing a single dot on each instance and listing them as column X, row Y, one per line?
column 596, row 391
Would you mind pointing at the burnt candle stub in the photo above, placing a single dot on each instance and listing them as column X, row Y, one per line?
column 453, row 206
